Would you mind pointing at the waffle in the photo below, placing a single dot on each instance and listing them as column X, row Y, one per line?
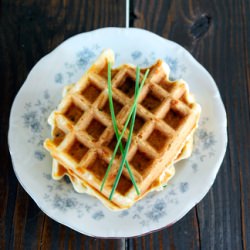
column 59, row 171
column 83, row 138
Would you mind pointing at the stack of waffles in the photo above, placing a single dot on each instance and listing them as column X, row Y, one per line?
column 83, row 137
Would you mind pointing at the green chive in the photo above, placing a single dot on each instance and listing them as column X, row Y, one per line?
column 118, row 176
column 129, row 116
column 124, row 128
column 117, row 134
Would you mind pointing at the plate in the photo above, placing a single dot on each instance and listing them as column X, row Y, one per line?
column 41, row 93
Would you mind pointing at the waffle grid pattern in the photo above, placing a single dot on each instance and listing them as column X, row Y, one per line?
column 83, row 135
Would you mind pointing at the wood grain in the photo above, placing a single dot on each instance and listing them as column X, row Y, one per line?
column 29, row 30
column 217, row 33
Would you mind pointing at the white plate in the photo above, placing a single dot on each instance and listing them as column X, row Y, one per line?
column 41, row 93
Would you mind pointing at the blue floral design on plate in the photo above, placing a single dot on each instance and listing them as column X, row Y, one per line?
column 59, row 78
column 83, row 57
column 98, row 215
column 81, row 62
column 58, row 198
column 157, row 211
column 184, row 187
column 136, row 54
column 35, row 119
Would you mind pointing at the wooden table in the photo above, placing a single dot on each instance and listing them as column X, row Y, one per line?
column 216, row 32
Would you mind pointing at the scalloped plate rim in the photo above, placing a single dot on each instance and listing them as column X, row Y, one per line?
column 217, row 96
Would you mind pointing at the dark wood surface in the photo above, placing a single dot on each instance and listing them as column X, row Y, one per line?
column 217, row 33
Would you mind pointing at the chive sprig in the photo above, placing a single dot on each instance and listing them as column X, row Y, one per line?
column 118, row 176
column 111, row 107
column 131, row 116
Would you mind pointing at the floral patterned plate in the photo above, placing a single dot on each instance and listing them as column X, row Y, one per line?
column 40, row 94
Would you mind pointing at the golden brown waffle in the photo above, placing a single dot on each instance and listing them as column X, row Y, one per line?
column 84, row 139
column 59, row 171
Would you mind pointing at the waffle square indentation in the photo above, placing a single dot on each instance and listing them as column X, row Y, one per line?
column 95, row 129
column 98, row 167
column 77, row 150
column 157, row 140
column 117, row 107
column 73, row 113
column 139, row 122
column 104, row 72
column 141, row 161
column 173, row 118
column 124, row 185
column 128, row 86
column 151, row 102
column 91, row 92
column 113, row 143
